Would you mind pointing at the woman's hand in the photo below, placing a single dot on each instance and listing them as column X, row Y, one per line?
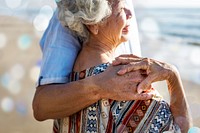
column 156, row 70
column 121, row 87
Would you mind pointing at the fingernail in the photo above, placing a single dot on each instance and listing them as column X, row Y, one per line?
column 140, row 91
column 114, row 62
column 121, row 72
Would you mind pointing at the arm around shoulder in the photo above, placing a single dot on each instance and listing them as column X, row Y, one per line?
column 55, row 101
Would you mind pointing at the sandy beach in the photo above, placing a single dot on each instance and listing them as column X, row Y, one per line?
column 19, row 54
column 19, row 67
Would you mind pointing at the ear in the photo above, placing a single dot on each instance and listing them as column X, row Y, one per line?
column 94, row 29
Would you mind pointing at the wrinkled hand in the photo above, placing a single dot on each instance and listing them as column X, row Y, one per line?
column 156, row 70
column 122, row 88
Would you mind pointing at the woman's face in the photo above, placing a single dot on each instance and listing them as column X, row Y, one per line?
column 117, row 26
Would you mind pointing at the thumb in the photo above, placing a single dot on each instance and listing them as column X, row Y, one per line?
column 120, row 61
column 129, row 55
column 116, row 62
column 145, row 84
column 133, row 66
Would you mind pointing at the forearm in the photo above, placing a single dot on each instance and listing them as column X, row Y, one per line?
column 62, row 100
column 178, row 103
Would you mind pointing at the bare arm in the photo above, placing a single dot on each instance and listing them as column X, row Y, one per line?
column 178, row 103
column 159, row 71
column 62, row 100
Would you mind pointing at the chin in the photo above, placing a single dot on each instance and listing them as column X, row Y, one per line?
column 125, row 38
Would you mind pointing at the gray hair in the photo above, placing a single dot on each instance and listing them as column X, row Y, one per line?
column 75, row 14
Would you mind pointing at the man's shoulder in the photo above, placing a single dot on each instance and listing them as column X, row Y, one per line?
column 58, row 36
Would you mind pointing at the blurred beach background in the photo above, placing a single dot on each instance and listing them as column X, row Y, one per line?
column 168, row 32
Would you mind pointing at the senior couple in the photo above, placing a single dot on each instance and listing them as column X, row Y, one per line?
column 84, row 88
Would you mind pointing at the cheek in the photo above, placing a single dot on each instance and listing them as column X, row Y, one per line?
column 121, row 21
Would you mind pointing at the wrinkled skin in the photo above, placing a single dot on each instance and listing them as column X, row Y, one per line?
column 160, row 71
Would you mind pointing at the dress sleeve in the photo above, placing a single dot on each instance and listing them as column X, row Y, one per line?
column 59, row 48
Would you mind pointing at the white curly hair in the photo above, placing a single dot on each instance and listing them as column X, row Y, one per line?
column 75, row 14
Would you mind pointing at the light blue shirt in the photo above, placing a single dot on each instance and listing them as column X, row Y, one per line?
column 60, row 49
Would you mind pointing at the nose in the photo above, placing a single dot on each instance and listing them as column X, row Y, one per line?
column 128, row 13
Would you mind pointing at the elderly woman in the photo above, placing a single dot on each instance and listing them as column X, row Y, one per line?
column 102, row 25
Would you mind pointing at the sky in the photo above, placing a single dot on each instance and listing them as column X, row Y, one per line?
column 168, row 3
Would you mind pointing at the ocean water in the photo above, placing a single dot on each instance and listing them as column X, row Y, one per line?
column 173, row 36
column 177, row 23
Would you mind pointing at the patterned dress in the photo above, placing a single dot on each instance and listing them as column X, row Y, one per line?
column 110, row 116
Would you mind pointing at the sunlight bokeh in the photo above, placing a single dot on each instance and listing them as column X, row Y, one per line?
column 168, row 29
